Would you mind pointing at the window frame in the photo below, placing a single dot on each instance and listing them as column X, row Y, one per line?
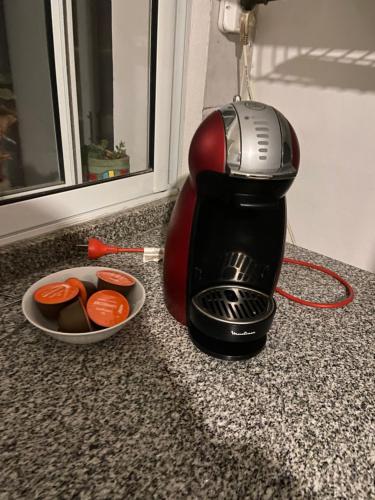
column 30, row 217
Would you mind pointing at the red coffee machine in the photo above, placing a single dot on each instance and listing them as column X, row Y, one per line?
column 225, row 241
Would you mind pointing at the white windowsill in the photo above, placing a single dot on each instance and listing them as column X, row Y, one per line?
column 85, row 217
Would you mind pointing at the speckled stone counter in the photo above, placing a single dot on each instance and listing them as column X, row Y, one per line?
column 146, row 415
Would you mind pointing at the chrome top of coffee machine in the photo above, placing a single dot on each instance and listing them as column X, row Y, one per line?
column 225, row 241
column 259, row 141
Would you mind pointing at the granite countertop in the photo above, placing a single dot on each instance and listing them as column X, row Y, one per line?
column 146, row 415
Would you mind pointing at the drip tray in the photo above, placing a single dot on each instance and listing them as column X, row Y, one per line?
column 230, row 322
column 234, row 304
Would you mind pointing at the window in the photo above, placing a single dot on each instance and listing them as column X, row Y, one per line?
column 88, row 99
column 115, row 103
column 29, row 137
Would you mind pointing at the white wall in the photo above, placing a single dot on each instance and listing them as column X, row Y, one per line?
column 194, row 79
column 315, row 61
column 223, row 65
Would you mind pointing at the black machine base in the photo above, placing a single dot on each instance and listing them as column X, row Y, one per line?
column 230, row 321
column 225, row 350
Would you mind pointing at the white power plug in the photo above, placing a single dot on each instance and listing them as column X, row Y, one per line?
column 153, row 254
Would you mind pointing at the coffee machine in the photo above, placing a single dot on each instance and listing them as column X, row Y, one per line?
column 226, row 236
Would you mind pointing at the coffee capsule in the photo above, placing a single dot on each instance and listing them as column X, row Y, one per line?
column 114, row 280
column 90, row 288
column 73, row 318
column 107, row 308
column 51, row 298
column 81, row 287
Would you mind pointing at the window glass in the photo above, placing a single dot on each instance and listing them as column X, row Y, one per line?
column 29, row 130
column 112, row 56
column 94, row 121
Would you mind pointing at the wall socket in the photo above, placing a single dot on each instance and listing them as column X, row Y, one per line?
column 229, row 16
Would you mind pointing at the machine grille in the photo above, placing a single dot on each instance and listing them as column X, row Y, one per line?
column 262, row 132
column 234, row 304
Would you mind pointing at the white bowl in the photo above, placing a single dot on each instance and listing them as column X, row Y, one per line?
column 136, row 298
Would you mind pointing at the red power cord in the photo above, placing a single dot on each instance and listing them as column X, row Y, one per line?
column 97, row 249
column 323, row 305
